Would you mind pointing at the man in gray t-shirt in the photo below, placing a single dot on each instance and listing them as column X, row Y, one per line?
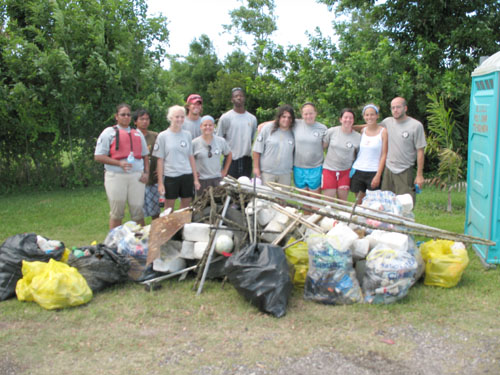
column 406, row 145
column 194, row 109
column 238, row 128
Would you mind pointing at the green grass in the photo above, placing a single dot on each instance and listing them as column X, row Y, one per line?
column 126, row 330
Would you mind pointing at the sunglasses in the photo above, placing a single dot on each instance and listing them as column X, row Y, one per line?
column 209, row 151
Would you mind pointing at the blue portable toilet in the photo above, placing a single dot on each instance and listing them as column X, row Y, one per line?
column 482, row 215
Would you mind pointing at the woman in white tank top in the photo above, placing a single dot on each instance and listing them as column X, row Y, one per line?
column 370, row 161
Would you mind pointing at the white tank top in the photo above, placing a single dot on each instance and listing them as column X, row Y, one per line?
column 370, row 150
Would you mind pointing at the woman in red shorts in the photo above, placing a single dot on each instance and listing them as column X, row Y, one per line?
column 342, row 144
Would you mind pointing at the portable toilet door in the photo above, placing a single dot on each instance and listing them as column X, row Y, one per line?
column 483, row 162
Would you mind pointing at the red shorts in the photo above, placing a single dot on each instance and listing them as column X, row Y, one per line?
column 335, row 179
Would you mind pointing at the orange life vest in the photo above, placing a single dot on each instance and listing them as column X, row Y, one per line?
column 124, row 143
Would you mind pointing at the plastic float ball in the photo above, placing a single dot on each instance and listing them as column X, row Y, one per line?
column 224, row 244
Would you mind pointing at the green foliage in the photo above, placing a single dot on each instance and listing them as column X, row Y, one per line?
column 258, row 21
column 64, row 66
column 442, row 141
column 195, row 72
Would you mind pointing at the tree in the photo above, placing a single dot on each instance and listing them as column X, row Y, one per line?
column 442, row 141
column 258, row 21
column 64, row 65
column 196, row 71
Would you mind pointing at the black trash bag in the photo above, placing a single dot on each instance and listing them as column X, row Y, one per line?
column 102, row 268
column 261, row 274
column 13, row 251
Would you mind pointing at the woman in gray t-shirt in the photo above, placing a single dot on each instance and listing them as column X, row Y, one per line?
column 342, row 144
column 207, row 151
column 273, row 148
column 176, row 168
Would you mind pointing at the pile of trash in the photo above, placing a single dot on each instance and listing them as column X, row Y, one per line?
column 263, row 240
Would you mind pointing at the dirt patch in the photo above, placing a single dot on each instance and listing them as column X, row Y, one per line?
column 426, row 354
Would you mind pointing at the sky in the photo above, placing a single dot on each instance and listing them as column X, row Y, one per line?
column 189, row 19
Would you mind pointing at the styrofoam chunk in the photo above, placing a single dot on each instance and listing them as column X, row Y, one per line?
column 275, row 227
column 395, row 241
column 196, row 232
column 187, row 250
column 345, row 235
column 406, row 202
column 360, row 248
column 199, row 249
column 326, row 223
column 173, row 265
column 264, row 216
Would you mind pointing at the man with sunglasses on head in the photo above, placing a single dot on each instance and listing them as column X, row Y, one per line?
column 238, row 127
column 207, row 151
column 406, row 145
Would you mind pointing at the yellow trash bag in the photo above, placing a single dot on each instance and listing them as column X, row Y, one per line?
column 298, row 255
column 53, row 285
column 445, row 262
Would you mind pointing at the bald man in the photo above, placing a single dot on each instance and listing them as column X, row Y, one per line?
column 406, row 145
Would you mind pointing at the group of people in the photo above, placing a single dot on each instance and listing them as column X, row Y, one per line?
column 142, row 166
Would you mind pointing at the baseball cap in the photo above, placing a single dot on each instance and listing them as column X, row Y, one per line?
column 194, row 98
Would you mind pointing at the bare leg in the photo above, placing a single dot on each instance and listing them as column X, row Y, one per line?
column 170, row 203
column 343, row 194
column 360, row 197
column 185, row 202
column 332, row 193
column 113, row 223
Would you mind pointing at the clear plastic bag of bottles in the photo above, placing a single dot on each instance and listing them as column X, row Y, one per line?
column 331, row 278
column 389, row 274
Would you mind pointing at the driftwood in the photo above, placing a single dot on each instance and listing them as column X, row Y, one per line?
column 280, row 193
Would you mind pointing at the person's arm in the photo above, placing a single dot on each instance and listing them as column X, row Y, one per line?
column 359, row 128
column 381, row 164
column 145, row 174
column 261, row 125
column 159, row 172
column 227, row 164
column 197, row 185
column 419, row 179
column 256, row 163
column 106, row 159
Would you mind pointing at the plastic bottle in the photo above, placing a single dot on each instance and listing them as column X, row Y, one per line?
column 161, row 201
column 130, row 157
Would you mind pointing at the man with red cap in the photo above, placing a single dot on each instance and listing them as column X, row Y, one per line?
column 194, row 109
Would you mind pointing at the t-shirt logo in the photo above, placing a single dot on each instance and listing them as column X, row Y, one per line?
column 183, row 144
column 156, row 147
column 405, row 134
column 316, row 134
column 290, row 142
column 259, row 138
column 348, row 145
column 217, row 151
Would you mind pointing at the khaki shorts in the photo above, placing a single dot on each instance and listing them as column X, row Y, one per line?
column 399, row 183
column 283, row 179
column 122, row 188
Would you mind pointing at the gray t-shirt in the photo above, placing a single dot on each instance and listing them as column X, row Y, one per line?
column 275, row 149
column 309, row 144
column 238, row 129
column 405, row 138
column 103, row 146
column 342, row 149
column 209, row 167
column 174, row 149
column 192, row 126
